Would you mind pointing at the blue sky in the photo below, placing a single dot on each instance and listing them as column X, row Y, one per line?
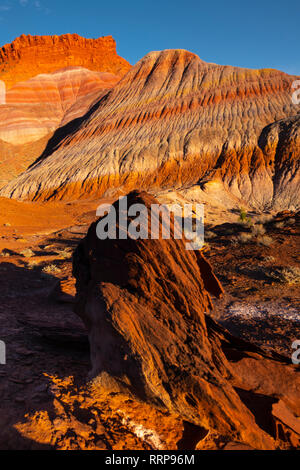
column 257, row 34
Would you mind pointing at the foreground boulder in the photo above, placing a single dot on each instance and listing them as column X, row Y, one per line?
column 145, row 304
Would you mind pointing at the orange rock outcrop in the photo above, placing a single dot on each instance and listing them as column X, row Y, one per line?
column 145, row 304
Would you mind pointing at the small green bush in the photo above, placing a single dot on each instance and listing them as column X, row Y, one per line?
column 243, row 218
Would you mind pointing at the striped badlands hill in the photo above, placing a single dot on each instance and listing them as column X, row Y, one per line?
column 174, row 121
column 28, row 56
column 35, row 108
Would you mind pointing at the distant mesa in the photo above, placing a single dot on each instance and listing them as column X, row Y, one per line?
column 51, row 80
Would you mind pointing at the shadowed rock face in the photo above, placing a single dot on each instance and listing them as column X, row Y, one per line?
column 145, row 305
column 175, row 121
column 28, row 56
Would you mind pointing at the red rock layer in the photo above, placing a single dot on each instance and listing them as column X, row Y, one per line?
column 28, row 56
column 172, row 121
column 144, row 303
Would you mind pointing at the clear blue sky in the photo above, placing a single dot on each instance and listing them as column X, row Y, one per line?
column 257, row 34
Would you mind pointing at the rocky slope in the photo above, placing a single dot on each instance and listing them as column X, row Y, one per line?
column 145, row 305
column 28, row 56
column 45, row 399
column 175, row 121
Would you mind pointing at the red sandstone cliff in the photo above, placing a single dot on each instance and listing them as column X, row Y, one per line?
column 145, row 305
column 28, row 56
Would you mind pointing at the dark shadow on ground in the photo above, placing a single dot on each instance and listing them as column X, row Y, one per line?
column 43, row 338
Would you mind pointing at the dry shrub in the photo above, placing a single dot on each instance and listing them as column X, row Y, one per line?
column 264, row 240
column 265, row 218
column 287, row 275
column 210, row 235
column 5, row 253
column 27, row 253
column 65, row 254
column 51, row 269
column 269, row 259
column 245, row 237
column 32, row 264
column 258, row 230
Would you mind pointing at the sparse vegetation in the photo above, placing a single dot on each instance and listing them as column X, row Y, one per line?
column 258, row 230
column 27, row 253
column 285, row 223
column 5, row 253
column 210, row 235
column 51, row 269
column 65, row 254
column 32, row 264
column 234, row 241
column 245, row 237
column 264, row 240
column 291, row 221
column 244, row 218
column 281, row 274
column 265, row 218
column 256, row 235
column 269, row 259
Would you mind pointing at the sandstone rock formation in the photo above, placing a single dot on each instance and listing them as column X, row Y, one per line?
column 145, row 304
column 28, row 56
column 175, row 121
